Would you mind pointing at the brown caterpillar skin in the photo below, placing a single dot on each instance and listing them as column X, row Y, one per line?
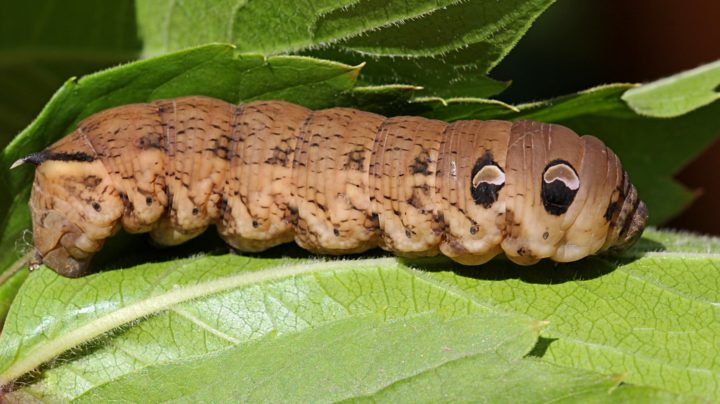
column 337, row 181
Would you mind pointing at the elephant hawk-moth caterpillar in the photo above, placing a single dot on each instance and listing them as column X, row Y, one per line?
column 336, row 181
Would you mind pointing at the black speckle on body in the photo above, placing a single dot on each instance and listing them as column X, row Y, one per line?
column 91, row 182
column 421, row 165
column 355, row 160
column 152, row 141
column 40, row 157
column 612, row 207
column 280, row 155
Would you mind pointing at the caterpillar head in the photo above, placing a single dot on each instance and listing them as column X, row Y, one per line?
column 74, row 206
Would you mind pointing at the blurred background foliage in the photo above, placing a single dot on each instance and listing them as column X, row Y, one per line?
column 571, row 47
column 59, row 40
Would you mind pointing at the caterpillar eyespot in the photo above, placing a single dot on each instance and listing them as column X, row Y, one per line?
column 336, row 181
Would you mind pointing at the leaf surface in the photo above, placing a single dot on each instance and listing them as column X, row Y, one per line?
column 678, row 94
column 650, row 315
column 288, row 329
column 202, row 307
column 445, row 46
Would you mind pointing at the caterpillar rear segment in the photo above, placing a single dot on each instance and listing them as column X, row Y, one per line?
column 336, row 181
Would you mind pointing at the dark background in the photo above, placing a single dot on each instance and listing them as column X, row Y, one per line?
column 579, row 44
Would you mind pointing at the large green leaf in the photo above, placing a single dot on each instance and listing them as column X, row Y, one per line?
column 307, row 330
column 652, row 316
column 215, row 70
column 446, row 46
column 44, row 42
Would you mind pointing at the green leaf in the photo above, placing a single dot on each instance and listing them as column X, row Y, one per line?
column 652, row 150
column 266, row 311
column 446, row 75
column 650, row 315
column 598, row 100
column 10, row 282
column 280, row 330
column 445, row 46
column 214, row 70
column 44, row 42
column 387, row 99
column 678, row 94
column 522, row 381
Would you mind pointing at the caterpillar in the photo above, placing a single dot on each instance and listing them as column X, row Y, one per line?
column 336, row 181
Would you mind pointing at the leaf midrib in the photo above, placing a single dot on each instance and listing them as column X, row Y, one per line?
column 43, row 352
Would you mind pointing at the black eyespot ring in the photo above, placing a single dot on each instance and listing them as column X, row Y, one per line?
column 485, row 192
column 558, row 191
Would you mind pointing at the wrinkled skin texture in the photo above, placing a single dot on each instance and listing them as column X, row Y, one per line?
column 336, row 181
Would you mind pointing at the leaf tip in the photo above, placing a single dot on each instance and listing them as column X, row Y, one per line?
column 356, row 69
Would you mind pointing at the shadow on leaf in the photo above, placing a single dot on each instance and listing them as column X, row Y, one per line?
column 544, row 272
column 125, row 250
column 541, row 346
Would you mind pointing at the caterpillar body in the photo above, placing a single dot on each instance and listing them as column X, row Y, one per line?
column 336, row 181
